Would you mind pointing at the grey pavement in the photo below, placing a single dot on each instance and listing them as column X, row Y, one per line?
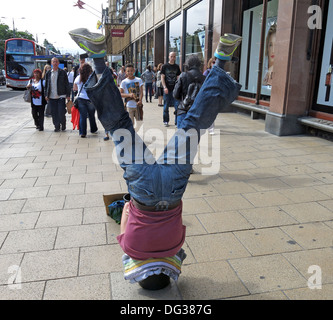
column 261, row 227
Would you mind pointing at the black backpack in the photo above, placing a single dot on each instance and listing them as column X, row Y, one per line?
column 192, row 92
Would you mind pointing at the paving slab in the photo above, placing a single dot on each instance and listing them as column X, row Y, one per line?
column 255, row 229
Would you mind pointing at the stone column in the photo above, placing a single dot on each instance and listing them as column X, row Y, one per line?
column 291, row 69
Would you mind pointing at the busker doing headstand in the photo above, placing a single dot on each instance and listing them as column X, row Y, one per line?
column 151, row 225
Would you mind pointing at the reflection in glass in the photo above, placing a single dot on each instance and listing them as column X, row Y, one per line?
column 144, row 54
column 150, row 39
column 138, row 54
column 174, row 43
column 196, row 18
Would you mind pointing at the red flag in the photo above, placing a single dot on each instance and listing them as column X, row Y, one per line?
column 79, row 4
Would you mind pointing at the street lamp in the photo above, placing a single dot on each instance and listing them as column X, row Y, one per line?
column 13, row 24
column 37, row 36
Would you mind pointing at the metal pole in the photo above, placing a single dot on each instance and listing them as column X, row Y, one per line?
column 261, row 52
column 13, row 29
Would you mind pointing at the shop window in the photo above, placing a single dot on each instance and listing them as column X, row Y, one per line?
column 249, row 64
column 196, row 19
column 129, row 54
column 175, row 36
column 138, row 55
column 150, row 46
column 325, row 92
column 144, row 53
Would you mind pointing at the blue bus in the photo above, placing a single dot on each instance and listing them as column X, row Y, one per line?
column 19, row 62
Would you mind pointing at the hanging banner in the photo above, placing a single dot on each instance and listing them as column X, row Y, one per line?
column 202, row 36
column 99, row 25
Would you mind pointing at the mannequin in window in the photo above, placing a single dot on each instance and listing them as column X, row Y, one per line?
column 270, row 55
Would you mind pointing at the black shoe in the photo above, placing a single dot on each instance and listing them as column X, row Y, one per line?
column 41, row 129
column 56, row 130
column 83, row 135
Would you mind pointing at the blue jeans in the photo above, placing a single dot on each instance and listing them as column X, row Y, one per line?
column 87, row 110
column 163, row 181
column 169, row 101
column 58, row 112
column 149, row 88
column 180, row 119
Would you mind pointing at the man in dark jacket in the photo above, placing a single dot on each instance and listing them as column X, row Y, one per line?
column 169, row 75
column 57, row 91
column 191, row 76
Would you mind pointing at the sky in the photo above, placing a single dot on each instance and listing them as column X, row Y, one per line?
column 52, row 19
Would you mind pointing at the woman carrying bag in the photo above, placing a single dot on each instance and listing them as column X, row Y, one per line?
column 38, row 101
column 86, row 108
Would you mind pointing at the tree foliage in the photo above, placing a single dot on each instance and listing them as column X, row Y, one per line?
column 50, row 46
column 7, row 33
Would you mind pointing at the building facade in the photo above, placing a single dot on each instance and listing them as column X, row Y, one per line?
column 285, row 60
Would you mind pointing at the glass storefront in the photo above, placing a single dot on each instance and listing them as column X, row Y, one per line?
column 150, row 46
column 175, row 36
column 249, row 64
column 196, row 18
column 144, row 53
column 138, row 55
column 325, row 93
column 129, row 54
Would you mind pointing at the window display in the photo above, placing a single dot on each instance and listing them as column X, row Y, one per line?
column 252, row 22
column 325, row 94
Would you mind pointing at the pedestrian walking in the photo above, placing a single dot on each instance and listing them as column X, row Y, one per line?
column 86, row 108
column 169, row 75
column 121, row 75
column 38, row 101
column 57, row 91
column 149, row 78
column 71, row 81
column 159, row 85
column 132, row 90
column 191, row 79
column 47, row 68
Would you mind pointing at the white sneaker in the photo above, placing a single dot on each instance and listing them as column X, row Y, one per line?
column 166, row 124
column 227, row 46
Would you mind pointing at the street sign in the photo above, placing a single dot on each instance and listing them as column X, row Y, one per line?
column 117, row 33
